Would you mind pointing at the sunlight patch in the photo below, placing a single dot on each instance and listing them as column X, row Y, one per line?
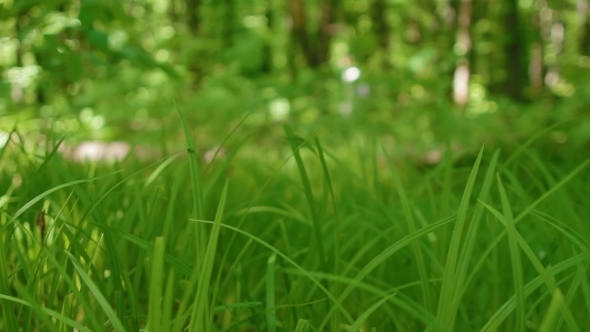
column 279, row 109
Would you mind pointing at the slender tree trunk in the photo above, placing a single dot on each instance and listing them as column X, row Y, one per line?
column 315, row 48
column 267, row 47
column 297, row 10
column 228, row 25
column 463, row 45
column 382, row 29
column 172, row 12
column 585, row 43
column 326, row 28
column 16, row 88
column 192, row 9
column 195, row 64
column 584, row 12
column 536, row 65
column 515, row 54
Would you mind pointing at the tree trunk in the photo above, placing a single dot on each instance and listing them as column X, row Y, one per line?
column 267, row 47
column 382, row 30
column 195, row 64
column 325, row 30
column 297, row 10
column 315, row 48
column 228, row 26
column 463, row 45
column 515, row 54
column 192, row 9
column 583, row 12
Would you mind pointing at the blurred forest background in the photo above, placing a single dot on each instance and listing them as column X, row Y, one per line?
column 472, row 72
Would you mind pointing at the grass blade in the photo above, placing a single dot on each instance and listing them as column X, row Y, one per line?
column 471, row 236
column 548, row 321
column 533, row 138
column 308, row 195
column 198, row 205
column 302, row 325
column 426, row 293
column 335, row 324
column 45, row 194
column 102, row 301
column 540, row 270
column 446, row 313
column 384, row 255
column 270, row 293
column 504, row 311
column 64, row 319
column 156, row 282
column 159, row 171
column 200, row 319
column 552, row 190
column 516, row 261
column 7, row 313
column 362, row 318
column 337, row 303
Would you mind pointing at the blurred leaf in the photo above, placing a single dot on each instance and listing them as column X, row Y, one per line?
column 74, row 66
column 99, row 40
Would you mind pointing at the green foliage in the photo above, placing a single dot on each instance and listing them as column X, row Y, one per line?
column 394, row 222
column 118, row 247
column 109, row 70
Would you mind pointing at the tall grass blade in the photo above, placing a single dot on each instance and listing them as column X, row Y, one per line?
column 549, row 282
column 58, row 316
column 523, row 147
column 7, row 313
column 198, row 205
column 446, row 312
column 553, row 189
column 516, row 261
column 447, row 165
column 381, row 257
column 168, row 302
column 363, row 317
column 198, row 199
column 547, row 325
column 302, row 326
column 472, row 234
column 510, row 305
column 158, row 171
column 335, row 324
column 308, row 195
column 426, row 292
column 573, row 291
column 40, row 314
column 102, row 301
column 227, row 137
column 156, row 283
column 80, row 298
column 200, row 320
column 66, row 311
column 270, row 293
column 337, row 303
column 41, row 170
column 144, row 245
column 39, row 197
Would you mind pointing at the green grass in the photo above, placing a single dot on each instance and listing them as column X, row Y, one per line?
column 296, row 236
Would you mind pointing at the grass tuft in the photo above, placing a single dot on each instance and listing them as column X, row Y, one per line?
column 308, row 237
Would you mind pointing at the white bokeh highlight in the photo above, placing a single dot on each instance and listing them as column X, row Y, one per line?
column 351, row 74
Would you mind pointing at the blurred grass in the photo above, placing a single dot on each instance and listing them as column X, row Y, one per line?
column 303, row 236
